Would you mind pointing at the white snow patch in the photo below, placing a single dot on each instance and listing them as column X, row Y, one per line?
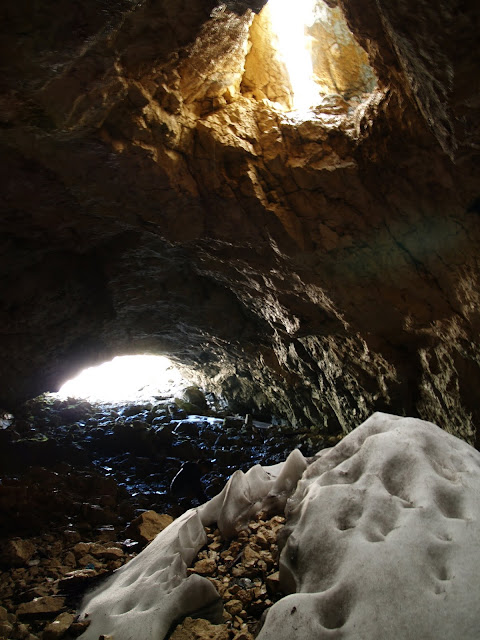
column 384, row 539
column 383, row 542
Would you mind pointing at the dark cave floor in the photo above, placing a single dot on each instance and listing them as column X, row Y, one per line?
column 73, row 476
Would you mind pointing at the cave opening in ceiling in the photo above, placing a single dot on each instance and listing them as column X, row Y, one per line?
column 126, row 378
column 299, row 55
column 294, row 45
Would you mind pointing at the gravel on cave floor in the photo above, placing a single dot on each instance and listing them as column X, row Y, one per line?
column 73, row 478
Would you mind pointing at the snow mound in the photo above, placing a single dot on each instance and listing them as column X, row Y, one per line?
column 145, row 598
column 383, row 539
column 382, row 542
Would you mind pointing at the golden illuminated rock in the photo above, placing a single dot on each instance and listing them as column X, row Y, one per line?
column 265, row 74
column 340, row 65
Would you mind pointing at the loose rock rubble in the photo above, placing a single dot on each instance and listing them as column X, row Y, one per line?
column 40, row 598
column 244, row 571
column 143, row 446
column 82, row 488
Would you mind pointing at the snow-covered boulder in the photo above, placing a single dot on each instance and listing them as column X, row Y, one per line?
column 382, row 542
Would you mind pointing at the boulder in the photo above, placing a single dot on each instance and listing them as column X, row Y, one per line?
column 39, row 607
column 147, row 526
column 16, row 552
column 193, row 395
column 58, row 627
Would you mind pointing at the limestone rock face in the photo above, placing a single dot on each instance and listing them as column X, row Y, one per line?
column 265, row 73
column 318, row 268
column 339, row 64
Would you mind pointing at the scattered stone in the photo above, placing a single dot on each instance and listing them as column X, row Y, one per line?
column 5, row 629
column 273, row 582
column 147, row 526
column 71, row 537
column 88, row 562
column 244, row 572
column 243, row 635
column 58, row 627
column 205, row 567
column 21, row 632
column 109, row 553
column 41, row 606
column 78, row 628
column 16, row 552
column 199, row 629
column 60, row 517
column 234, row 607
column 81, row 549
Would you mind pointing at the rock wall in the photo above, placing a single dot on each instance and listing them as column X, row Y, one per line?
column 320, row 268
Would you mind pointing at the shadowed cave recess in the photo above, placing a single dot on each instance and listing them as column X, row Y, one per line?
column 304, row 260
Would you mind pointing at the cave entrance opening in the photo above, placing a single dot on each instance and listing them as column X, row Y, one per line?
column 126, row 378
column 299, row 54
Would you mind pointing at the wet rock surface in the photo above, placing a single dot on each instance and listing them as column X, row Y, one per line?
column 162, row 457
column 84, row 487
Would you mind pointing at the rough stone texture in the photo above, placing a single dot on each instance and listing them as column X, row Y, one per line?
column 16, row 552
column 339, row 64
column 265, row 74
column 147, row 525
column 319, row 269
column 41, row 606
column 191, row 629
column 58, row 627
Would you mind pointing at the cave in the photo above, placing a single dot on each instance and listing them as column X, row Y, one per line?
column 321, row 268
column 164, row 195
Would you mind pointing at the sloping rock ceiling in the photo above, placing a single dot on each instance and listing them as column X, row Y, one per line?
column 317, row 268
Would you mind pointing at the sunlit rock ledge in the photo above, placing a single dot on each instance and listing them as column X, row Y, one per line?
column 382, row 541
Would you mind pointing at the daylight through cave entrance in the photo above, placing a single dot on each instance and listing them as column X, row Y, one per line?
column 126, row 378
column 298, row 55
column 294, row 45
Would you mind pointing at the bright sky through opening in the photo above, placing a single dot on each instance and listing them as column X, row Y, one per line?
column 289, row 20
column 125, row 378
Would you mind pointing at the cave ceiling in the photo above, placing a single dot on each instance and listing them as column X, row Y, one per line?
column 155, row 199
